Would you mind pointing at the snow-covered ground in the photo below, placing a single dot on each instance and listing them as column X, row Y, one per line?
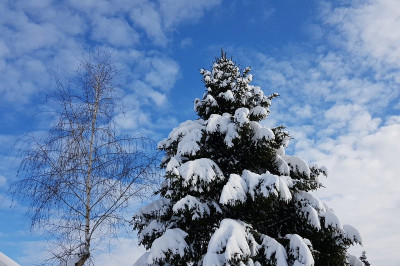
column 6, row 261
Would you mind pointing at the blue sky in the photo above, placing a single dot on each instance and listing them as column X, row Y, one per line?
column 336, row 65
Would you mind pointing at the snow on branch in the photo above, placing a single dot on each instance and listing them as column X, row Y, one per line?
column 237, row 187
column 352, row 234
column 159, row 207
column 172, row 164
column 171, row 242
column 179, row 132
column 227, row 95
column 223, row 124
column 353, row 260
column 199, row 173
column 296, row 164
column 311, row 215
column 188, row 145
column 241, row 116
column 300, row 251
column 234, row 190
column 331, row 220
column 306, row 198
column 154, row 227
column 310, row 206
column 192, row 204
column 261, row 132
column 232, row 241
column 274, row 251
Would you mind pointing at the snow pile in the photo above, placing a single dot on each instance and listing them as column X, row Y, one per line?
column 150, row 227
column 283, row 167
column 233, row 242
column 6, row 261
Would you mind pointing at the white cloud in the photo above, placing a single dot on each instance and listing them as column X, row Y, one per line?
column 163, row 73
column 33, row 36
column 320, row 81
column 349, row 118
column 38, row 4
column 302, row 111
column 23, row 77
column 393, row 120
column 178, row 11
column 115, row 31
column 145, row 95
column 42, row 36
column 158, row 98
column 132, row 119
column 360, row 154
column 342, row 134
column 368, row 29
column 148, row 82
column 148, row 17
column 51, row 35
column 161, row 18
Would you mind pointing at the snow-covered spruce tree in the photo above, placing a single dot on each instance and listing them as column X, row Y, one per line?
column 231, row 195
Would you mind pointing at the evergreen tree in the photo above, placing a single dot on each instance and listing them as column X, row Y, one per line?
column 231, row 195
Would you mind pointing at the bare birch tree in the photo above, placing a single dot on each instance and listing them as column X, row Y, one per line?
column 80, row 176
